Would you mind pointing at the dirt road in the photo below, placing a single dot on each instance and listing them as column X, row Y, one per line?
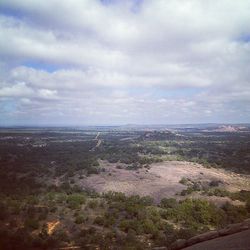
column 99, row 141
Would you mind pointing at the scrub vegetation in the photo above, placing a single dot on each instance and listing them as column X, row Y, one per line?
column 43, row 207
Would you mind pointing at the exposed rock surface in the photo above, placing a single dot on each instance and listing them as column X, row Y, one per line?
column 237, row 241
column 162, row 180
column 230, row 237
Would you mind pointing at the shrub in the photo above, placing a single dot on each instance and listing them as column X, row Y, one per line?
column 125, row 225
column 215, row 183
column 75, row 200
column 149, row 227
column 80, row 219
column 119, row 167
column 183, row 181
column 3, row 211
column 93, row 204
column 234, row 213
column 185, row 233
column 242, row 195
column 248, row 206
column 219, row 192
column 169, row 203
column 187, row 191
column 31, row 223
column 99, row 220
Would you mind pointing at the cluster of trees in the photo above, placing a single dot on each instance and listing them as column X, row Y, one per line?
column 226, row 150
column 199, row 215
column 90, row 219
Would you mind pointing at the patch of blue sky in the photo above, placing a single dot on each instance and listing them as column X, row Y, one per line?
column 135, row 3
column 244, row 38
column 43, row 66
column 10, row 106
column 15, row 13
column 106, row 2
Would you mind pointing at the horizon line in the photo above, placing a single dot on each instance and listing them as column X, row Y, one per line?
column 120, row 125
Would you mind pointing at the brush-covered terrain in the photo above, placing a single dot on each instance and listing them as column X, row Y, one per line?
column 120, row 187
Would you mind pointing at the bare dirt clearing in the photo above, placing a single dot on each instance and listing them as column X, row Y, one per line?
column 161, row 180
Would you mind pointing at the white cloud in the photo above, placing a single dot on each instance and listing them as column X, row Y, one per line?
column 159, row 61
column 19, row 89
column 26, row 101
column 47, row 94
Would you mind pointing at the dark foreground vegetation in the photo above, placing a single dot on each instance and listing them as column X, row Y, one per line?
column 107, row 221
column 34, row 214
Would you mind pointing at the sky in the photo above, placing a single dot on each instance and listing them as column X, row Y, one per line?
column 110, row 62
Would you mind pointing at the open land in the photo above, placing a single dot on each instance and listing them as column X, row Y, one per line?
column 161, row 180
column 121, row 187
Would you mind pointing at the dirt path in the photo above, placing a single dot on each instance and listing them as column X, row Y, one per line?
column 99, row 141
column 51, row 226
column 97, row 135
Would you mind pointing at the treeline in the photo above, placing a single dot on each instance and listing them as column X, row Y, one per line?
column 225, row 150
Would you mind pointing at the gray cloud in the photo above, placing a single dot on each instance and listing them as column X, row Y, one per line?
column 85, row 62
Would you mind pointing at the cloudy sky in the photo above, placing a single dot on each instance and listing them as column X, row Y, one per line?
column 86, row 62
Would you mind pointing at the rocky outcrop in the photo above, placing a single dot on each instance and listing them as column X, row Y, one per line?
column 235, row 228
column 202, row 237
column 230, row 229
column 179, row 244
